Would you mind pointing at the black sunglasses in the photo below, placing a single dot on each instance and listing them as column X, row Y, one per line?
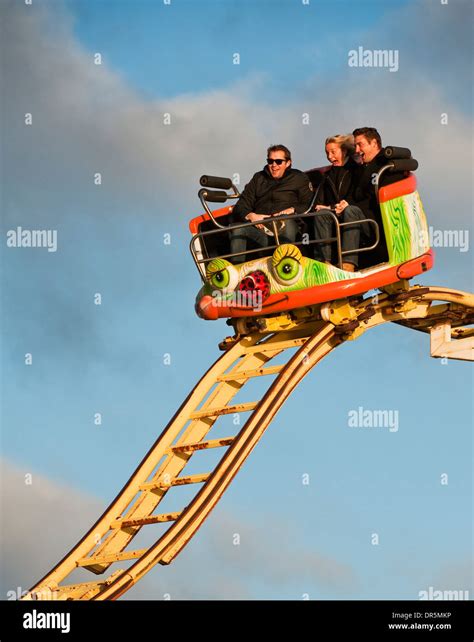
column 278, row 161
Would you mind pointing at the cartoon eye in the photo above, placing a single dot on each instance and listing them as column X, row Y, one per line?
column 286, row 262
column 220, row 279
column 221, row 274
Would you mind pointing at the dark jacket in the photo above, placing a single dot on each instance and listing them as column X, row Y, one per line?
column 337, row 184
column 363, row 195
column 267, row 195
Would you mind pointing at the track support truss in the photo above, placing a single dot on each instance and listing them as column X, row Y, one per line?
column 301, row 339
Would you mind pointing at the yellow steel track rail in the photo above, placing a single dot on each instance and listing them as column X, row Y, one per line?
column 314, row 332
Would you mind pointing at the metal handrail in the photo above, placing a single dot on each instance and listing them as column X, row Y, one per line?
column 378, row 176
column 202, row 197
column 203, row 193
column 275, row 220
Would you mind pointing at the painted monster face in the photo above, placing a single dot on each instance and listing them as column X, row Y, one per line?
column 286, row 264
column 276, row 273
column 222, row 275
column 253, row 282
column 265, row 276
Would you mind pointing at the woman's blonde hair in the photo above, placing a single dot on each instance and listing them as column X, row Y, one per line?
column 345, row 142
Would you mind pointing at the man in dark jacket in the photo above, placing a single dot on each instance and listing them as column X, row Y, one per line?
column 368, row 145
column 277, row 189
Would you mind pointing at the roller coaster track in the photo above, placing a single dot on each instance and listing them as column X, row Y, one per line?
column 314, row 332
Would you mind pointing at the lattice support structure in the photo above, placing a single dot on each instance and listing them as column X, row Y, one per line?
column 314, row 333
column 445, row 345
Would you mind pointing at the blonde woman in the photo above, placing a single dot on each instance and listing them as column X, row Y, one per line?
column 334, row 196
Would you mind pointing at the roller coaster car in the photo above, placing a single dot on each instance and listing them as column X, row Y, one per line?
column 281, row 277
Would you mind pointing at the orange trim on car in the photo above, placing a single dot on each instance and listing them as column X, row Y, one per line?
column 194, row 223
column 209, row 308
column 405, row 186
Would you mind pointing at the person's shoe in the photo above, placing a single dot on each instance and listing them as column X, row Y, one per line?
column 348, row 267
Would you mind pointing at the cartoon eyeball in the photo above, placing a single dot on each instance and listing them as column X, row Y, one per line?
column 286, row 264
column 221, row 274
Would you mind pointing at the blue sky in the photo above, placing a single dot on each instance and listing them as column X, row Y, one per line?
column 109, row 358
column 165, row 50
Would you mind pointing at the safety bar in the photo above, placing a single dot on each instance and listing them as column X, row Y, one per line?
column 396, row 152
column 400, row 165
column 274, row 220
column 206, row 195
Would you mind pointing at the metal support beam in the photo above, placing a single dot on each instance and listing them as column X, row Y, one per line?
column 443, row 345
column 314, row 332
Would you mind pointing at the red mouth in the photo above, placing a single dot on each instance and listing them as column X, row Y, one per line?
column 208, row 308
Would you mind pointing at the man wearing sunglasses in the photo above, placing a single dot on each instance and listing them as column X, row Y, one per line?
column 277, row 189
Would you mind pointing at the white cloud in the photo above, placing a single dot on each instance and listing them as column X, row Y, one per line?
column 277, row 557
column 87, row 119
column 43, row 520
